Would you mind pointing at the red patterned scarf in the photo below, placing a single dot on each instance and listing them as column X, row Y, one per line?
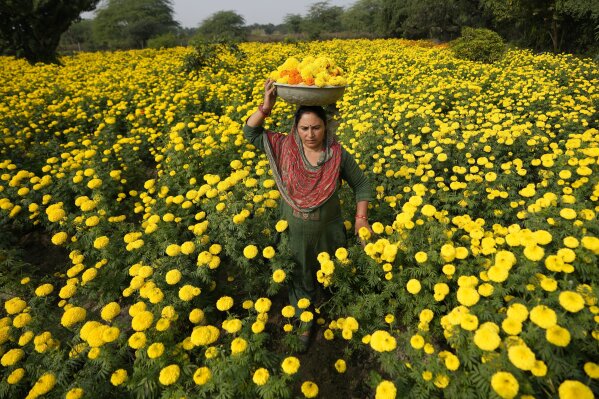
column 303, row 186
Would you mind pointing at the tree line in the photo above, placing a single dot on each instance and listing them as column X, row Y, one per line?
column 33, row 29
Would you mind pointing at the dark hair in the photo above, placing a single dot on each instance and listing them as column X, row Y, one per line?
column 315, row 109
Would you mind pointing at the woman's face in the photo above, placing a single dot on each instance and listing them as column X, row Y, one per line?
column 311, row 130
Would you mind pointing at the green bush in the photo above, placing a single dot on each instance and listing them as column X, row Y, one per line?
column 481, row 45
column 168, row 40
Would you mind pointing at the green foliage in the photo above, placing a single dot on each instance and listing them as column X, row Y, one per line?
column 215, row 54
column 131, row 23
column 482, row 45
column 32, row 29
column 167, row 40
column 223, row 26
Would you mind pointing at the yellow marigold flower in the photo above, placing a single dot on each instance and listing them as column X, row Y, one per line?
column 288, row 311
column 571, row 301
column 73, row 316
column 448, row 252
column 173, row 250
column 101, row 242
column 382, row 341
column 238, row 345
column 224, row 303
column 202, row 375
column 12, row 357
column 378, row 228
column 511, row 326
column 43, row 385
column 15, row 376
column 188, row 248
column 413, row 286
column 250, row 251
column 518, row 312
column 522, row 357
column 452, row 362
column 309, row 389
column 427, row 375
column 441, row 381
column 204, row 335
column 539, row 369
column 487, row 339
column 417, row 341
column 281, row 226
column 44, row 290
column 137, row 340
column 468, row 296
column 59, row 238
column 173, row 276
column 558, row 336
column 592, row 369
column 67, row 291
column 543, row 316
column 232, row 325
column 169, row 374
column 261, row 376
column 278, row 276
column 110, row 334
column 188, row 292
column 340, row 366
column 591, row 243
column 306, row 316
column 262, row 305
column 142, row 321
column 196, row 316
column 534, row 252
column 421, row 257
column 21, row 320
column 75, row 393
column 505, row 384
column 567, row 213
column 572, row 389
column 15, row 305
column 385, row 390
column 258, row 327
column 25, row 338
column 268, row 252
column 290, row 365
column 303, row 303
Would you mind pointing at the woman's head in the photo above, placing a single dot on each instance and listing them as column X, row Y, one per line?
column 311, row 125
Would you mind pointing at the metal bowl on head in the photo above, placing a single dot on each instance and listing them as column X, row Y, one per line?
column 309, row 95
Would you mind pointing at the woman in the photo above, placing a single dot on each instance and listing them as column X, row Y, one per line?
column 308, row 165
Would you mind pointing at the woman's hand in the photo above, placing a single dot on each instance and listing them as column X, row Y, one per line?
column 270, row 94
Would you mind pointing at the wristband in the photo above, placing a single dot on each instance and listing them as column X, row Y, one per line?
column 361, row 217
column 263, row 111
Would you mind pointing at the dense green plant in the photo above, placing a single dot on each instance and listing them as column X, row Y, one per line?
column 480, row 44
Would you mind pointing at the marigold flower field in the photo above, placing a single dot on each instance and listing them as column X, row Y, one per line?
column 142, row 254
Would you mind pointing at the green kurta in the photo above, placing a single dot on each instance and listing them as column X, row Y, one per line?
column 319, row 231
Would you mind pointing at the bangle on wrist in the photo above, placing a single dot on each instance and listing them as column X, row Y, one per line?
column 263, row 111
column 361, row 217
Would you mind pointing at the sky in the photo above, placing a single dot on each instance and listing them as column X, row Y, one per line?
column 190, row 13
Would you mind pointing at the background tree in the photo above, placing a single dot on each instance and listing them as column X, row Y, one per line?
column 131, row 23
column 293, row 23
column 363, row 16
column 547, row 24
column 79, row 36
column 323, row 17
column 223, row 25
column 31, row 29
